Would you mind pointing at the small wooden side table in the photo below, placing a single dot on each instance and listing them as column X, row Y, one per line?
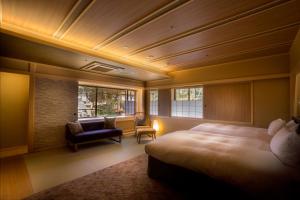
column 151, row 132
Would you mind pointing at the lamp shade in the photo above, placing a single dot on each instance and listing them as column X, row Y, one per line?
column 155, row 125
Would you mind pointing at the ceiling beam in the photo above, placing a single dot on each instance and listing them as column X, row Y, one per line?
column 48, row 40
column 78, row 10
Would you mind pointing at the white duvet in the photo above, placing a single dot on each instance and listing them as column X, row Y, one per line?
column 237, row 158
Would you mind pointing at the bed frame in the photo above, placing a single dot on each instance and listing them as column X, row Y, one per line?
column 192, row 183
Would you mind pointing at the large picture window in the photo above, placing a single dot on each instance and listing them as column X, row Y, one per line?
column 153, row 102
column 188, row 102
column 98, row 102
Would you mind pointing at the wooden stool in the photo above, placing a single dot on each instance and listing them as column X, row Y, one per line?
column 145, row 131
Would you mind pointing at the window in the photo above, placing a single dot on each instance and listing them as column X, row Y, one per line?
column 97, row 101
column 188, row 102
column 153, row 102
column 130, row 102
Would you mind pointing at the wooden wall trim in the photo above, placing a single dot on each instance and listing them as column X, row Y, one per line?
column 251, row 36
column 231, row 80
column 252, row 102
column 1, row 13
column 13, row 151
column 30, row 137
column 214, row 24
column 71, row 78
column 166, row 9
column 74, row 74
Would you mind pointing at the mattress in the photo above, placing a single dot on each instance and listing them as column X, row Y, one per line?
column 233, row 156
column 227, row 129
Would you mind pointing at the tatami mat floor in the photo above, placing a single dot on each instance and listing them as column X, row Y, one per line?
column 50, row 168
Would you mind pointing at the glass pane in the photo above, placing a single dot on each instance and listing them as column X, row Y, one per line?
column 182, row 94
column 85, row 113
column 110, row 102
column 153, row 102
column 188, row 102
column 86, row 101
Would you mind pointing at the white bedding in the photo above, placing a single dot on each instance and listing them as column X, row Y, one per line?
column 234, row 156
column 227, row 129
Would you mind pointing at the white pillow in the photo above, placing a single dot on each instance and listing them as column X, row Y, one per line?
column 275, row 126
column 286, row 147
column 292, row 125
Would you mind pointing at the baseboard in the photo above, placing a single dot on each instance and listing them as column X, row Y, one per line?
column 13, row 151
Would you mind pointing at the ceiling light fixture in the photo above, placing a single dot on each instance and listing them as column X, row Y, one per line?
column 149, row 57
column 99, row 67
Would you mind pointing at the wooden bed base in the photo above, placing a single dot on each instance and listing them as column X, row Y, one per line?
column 192, row 183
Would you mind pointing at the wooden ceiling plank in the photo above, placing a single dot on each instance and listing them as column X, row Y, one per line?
column 108, row 17
column 250, row 12
column 41, row 16
column 283, row 36
column 170, row 7
column 66, row 18
column 268, row 32
column 76, row 18
column 250, row 54
column 242, row 52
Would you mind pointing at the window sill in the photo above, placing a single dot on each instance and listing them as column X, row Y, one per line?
column 119, row 118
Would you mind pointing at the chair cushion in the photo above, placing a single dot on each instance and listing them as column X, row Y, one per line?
column 145, row 130
column 95, row 135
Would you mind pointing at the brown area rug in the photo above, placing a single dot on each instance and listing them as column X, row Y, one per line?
column 126, row 180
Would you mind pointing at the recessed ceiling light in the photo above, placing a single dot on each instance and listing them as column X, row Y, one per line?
column 150, row 56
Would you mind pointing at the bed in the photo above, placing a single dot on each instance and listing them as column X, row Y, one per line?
column 234, row 155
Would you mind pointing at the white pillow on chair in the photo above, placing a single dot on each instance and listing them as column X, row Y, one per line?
column 275, row 126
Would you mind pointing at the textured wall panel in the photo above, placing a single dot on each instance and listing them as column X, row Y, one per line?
column 55, row 104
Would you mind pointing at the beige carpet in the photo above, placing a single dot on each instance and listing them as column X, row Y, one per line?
column 126, row 180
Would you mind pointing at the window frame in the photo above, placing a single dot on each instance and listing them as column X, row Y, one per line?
column 189, row 99
column 96, row 101
column 150, row 106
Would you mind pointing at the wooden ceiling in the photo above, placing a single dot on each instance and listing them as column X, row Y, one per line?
column 160, row 35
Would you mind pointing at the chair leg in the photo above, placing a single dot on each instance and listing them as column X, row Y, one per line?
column 75, row 147
column 139, row 138
column 120, row 139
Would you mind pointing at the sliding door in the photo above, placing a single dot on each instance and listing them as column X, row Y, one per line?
column 228, row 102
